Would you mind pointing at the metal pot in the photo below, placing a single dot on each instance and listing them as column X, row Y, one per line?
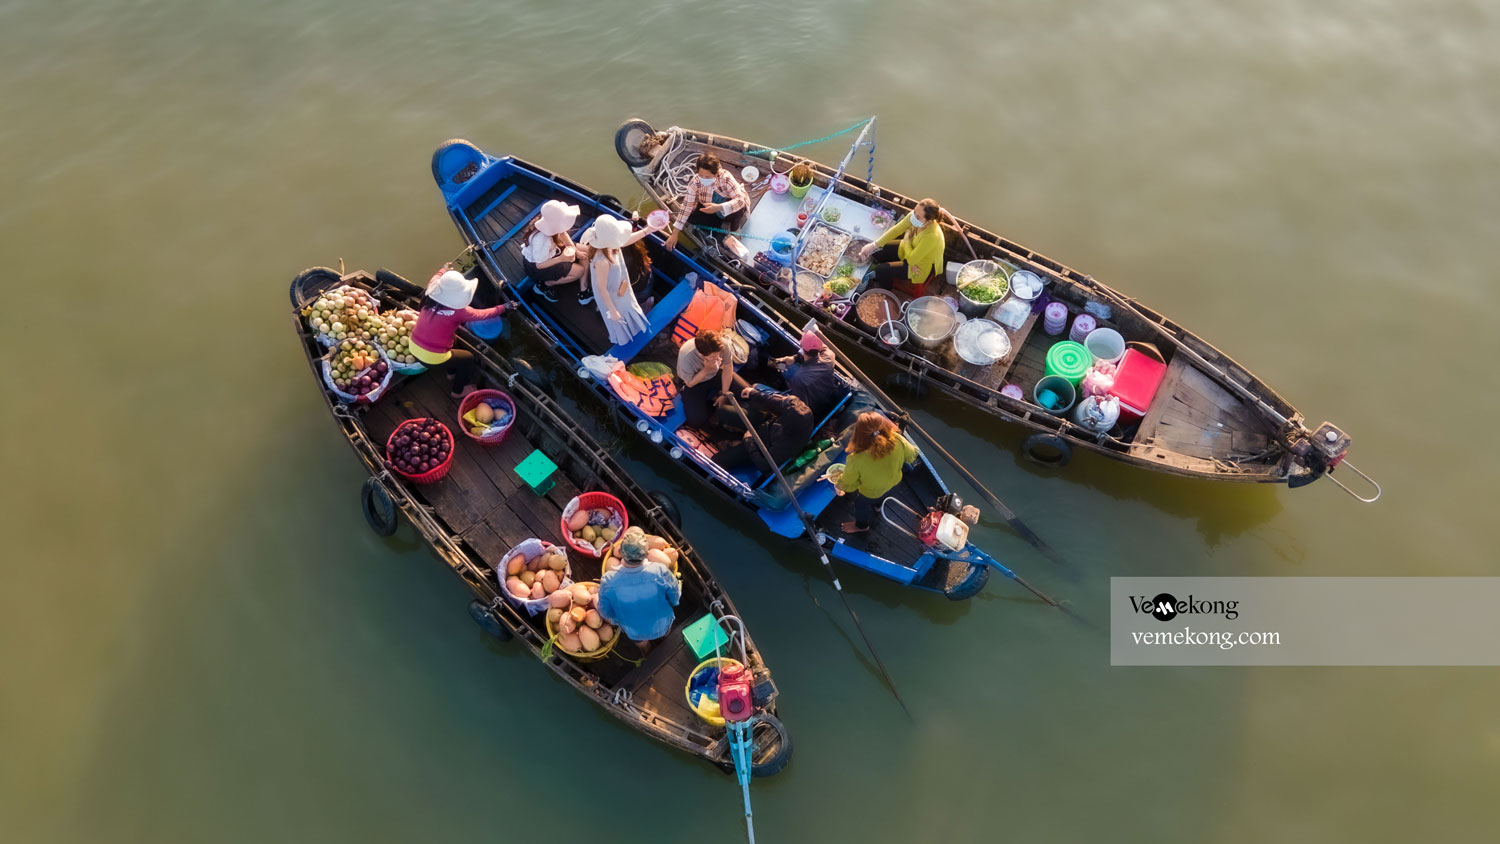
column 932, row 320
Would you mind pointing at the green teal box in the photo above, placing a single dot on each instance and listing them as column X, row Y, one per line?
column 704, row 636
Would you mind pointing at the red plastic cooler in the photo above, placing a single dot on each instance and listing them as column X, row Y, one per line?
column 1135, row 383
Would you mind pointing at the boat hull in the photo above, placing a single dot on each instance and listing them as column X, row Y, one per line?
column 1216, row 420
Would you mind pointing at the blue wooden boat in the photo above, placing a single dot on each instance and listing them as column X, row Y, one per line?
column 492, row 198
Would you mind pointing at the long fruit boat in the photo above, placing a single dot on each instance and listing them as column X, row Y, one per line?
column 491, row 199
column 477, row 515
column 1202, row 414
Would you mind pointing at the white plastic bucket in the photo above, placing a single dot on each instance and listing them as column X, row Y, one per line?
column 1105, row 344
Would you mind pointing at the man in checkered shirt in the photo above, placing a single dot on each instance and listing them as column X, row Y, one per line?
column 715, row 199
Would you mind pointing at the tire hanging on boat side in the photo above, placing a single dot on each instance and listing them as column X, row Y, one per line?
column 1048, row 450
column 907, row 383
column 667, row 505
column 628, row 141
column 778, row 746
column 379, row 509
column 971, row 585
column 487, row 621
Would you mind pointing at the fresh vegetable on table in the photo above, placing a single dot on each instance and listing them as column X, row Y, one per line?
column 840, row 285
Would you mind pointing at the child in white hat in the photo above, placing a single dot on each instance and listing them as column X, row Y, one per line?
column 611, row 278
column 548, row 254
column 445, row 307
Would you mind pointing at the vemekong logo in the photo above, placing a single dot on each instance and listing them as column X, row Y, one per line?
column 1165, row 607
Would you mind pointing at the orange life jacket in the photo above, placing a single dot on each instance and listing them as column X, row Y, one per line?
column 707, row 311
column 654, row 396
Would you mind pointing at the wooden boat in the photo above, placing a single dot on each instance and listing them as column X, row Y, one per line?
column 491, row 199
column 481, row 510
column 1210, row 418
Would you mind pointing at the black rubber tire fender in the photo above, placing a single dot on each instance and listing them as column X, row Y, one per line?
column 906, row 383
column 613, row 203
column 395, row 281
column 302, row 286
column 487, row 621
column 523, row 371
column 379, row 508
column 1038, row 446
column 778, row 750
column 627, row 145
column 668, row 506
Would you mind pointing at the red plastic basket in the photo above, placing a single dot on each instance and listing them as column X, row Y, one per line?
column 431, row 476
column 475, row 398
column 592, row 501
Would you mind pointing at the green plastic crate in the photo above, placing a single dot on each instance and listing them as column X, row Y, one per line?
column 704, row 635
column 536, row 470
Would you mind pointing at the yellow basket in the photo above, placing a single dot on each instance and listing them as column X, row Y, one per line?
column 585, row 656
column 687, row 690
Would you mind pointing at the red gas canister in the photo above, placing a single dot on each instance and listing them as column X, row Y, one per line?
column 735, row 703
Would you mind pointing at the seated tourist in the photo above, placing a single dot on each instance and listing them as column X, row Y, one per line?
column 705, row 367
column 909, row 263
column 549, row 255
column 638, row 597
column 715, row 198
column 623, row 317
column 783, row 422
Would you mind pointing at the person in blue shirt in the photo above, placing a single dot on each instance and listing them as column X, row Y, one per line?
column 639, row 596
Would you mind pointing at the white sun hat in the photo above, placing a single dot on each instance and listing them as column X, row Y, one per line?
column 556, row 217
column 607, row 233
column 452, row 290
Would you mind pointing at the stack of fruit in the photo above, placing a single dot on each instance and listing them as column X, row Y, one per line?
column 419, row 446
column 573, row 617
column 539, row 577
column 357, row 368
column 339, row 313
column 595, row 528
column 392, row 330
column 488, row 417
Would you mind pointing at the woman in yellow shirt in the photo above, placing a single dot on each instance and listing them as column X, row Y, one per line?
column 913, row 261
column 878, row 453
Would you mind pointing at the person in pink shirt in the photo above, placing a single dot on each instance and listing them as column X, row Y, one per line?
column 445, row 307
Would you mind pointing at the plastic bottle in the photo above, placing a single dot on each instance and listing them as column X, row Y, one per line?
column 811, row 454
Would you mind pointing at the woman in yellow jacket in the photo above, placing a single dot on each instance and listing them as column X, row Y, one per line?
column 878, row 452
column 913, row 261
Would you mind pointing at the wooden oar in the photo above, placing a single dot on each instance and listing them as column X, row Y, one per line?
column 1008, row 514
column 812, row 536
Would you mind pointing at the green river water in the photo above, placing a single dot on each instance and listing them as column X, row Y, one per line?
column 202, row 642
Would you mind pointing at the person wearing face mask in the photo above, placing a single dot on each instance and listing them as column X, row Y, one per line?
column 714, row 199
column 908, row 264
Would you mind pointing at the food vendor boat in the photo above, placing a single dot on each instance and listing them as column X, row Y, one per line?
column 491, row 199
column 1185, row 408
column 497, row 496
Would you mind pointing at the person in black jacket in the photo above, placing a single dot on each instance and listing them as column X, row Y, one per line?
column 784, row 423
column 812, row 376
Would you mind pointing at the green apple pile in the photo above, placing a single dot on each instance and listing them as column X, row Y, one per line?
column 392, row 330
column 339, row 314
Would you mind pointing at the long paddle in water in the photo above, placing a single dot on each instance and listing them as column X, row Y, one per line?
column 1008, row 514
column 812, row 536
